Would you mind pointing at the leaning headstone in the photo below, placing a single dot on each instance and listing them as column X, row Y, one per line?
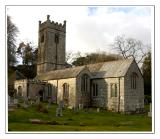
column 150, row 112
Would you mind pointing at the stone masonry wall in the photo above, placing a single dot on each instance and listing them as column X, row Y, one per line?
column 134, row 98
column 101, row 99
column 115, row 103
column 23, row 85
column 72, row 90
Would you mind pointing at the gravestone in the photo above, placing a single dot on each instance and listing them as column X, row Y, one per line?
column 37, row 100
column 61, row 104
column 80, row 106
column 59, row 112
column 15, row 101
column 98, row 109
column 75, row 109
column 150, row 112
column 25, row 104
column 25, row 100
column 49, row 103
column 59, row 109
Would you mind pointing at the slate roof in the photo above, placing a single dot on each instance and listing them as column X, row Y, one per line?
column 15, row 76
column 99, row 70
column 113, row 69
column 61, row 74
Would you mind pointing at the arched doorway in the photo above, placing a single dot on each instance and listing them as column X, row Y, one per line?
column 41, row 95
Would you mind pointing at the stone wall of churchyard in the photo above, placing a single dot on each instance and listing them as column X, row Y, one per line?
column 72, row 90
column 21, row 85
column 81, row 96
column 134, row 98
column 115, row 103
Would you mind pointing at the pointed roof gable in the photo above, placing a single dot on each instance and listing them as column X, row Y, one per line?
column 16, row 75
column 114, row 68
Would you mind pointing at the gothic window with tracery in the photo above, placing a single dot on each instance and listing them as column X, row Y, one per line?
column 84, row 83
column 95, row 89
column 134, row 80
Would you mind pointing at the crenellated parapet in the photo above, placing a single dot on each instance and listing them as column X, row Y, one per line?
column 53, row 25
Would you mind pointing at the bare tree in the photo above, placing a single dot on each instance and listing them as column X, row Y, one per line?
column 69, row 56
column 12, row 31
column 129, row 47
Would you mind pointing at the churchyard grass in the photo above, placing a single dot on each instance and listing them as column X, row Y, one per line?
column 81, row 120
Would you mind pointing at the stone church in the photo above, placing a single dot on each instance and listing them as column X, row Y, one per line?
column 115, row 86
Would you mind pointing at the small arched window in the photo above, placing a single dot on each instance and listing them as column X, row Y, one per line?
column 84, row 83
column 65, row 91
column 134, row 80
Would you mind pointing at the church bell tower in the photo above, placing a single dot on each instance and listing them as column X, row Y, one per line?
column 51, row 46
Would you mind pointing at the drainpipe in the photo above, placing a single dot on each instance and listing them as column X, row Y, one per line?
column 119, row 95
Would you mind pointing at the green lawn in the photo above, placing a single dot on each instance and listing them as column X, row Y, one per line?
column 18, row 120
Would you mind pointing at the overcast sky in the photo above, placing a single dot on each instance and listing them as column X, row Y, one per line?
column 88, row 28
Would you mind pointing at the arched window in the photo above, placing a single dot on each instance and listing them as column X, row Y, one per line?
column 65, row 91
column 95, row 89
column 134, row 80
column 49, row 90
column 113, row 90
column 84, row 83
